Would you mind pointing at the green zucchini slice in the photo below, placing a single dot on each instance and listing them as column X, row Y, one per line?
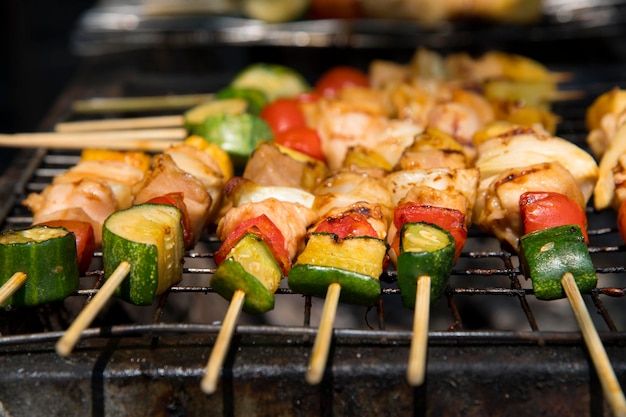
column 251, row 268
column 149, row 237
column 274, row 80
column 546, row 255
column 356, row 263
column 47, row 255
column 425, row 249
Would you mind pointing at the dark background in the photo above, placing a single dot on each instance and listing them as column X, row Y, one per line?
column 36, row 61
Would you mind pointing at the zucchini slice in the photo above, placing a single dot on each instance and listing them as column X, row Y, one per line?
column 47, row 255
column 256, row 98
column 194, row 117
column 251, row 268
column 237, row 134
column 547, row 254
column 149, row 237
column 272, row 79
column 425, row 249
column 355, row 263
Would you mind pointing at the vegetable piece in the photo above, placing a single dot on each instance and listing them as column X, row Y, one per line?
column 336, row 9
column 176, row 199
column 85, row 240
column 198, row 114
column 283, row 114
column 256, row 98
column 355, row 263
column 363, row 157
column 47, row 255
column 218, row 154
column 237, row 134
column 272, row 79
column 241, row 191
column 425, row 249
column 195, row 117
column 338, row 78
column 249, row 267
column 136, row 159
column 264, row 229
column 275, row 11
column 302, row 139
column 546, row 255
column 541, row 210
column 347, row 224
column 149, row 237
column 448, row 219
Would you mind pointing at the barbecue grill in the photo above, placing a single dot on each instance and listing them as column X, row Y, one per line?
column 493, row 348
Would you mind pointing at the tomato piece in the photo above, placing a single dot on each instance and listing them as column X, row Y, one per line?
column 302, row 139
column 85, row 240
column 176, row 199
column 347, row 224
column 542, row 210
column 283, row 114
column 449, row 219
column 337, row 78
column 621, row 221
column 335, row 9
column 264, row 228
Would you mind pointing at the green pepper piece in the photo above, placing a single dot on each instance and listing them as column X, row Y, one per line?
column 425, row 249
column 546, row 255
column 355, row 263
column 251, row 268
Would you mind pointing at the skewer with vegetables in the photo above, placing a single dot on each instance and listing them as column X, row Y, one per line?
column 345, row 252
column 143, row 245
column 553, row 253
column 125, row 180
column 539, row 209
column 433, row 210
column 71, row 208
column 261, row 234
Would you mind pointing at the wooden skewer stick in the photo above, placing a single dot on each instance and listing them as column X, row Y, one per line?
column 419, row 343
column 137, row 104
column 608, row 380
column 321, row 346
column 222, row 343
column 561, row 77
column 141, row 139
column 566, row 95
column 120, row 124
column 13, row 284
column 66, row 343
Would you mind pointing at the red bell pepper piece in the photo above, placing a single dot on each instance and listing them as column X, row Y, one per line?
column 347, row 224
column 176, row 199
column 542, row 210
column 449, row 219
column 264, row 228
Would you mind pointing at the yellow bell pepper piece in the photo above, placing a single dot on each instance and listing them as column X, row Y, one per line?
column 220, row 155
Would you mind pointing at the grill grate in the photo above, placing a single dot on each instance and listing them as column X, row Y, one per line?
column 487, row 290
column 493, row 348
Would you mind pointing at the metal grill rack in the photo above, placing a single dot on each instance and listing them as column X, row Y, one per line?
column 492, row 344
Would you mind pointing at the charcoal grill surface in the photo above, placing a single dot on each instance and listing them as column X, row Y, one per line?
column 493, row 348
